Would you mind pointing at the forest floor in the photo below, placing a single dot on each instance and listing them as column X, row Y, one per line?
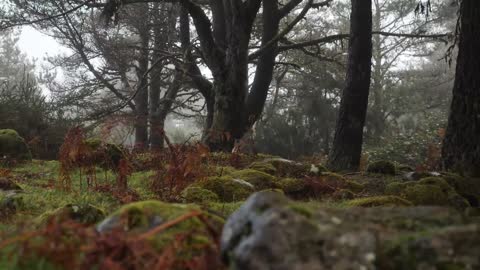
column 193, row 215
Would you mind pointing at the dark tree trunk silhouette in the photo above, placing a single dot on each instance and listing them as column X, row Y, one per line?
column 141, row 97
column 347, row 144
column 461, row 146
column 166, row 16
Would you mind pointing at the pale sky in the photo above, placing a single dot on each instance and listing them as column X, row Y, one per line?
column 37, row 45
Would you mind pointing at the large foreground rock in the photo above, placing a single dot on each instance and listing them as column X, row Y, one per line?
column 270, row 232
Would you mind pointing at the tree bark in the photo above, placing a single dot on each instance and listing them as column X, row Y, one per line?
column 347, row 144
column 461, row 145
column 141, row 97
column 166, row 18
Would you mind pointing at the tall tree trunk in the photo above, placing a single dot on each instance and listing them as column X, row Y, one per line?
column 230, row 86
column 164, row 36
column 461, row 146
column 159, row 40
column 347, row 144
column 141, row 97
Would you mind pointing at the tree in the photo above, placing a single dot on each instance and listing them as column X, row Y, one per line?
column 461, row 146
column 347, row 144
column 225, row 42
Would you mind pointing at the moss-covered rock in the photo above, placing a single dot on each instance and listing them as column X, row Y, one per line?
column 258, row 179
column 269, row 232
column 221, row 170
column 227, row 188
column 287, row 168
column 382, row 167
column 467, row 187
column 198, row 195
column 81, row 213
column 354, row 186
column 13, row 147
column 378, row 201
column 107, row 155
column 143, row 216
column 293, row 186
column 428, row 191
column 263, row 167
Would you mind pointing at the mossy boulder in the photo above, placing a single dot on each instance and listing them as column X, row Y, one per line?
column 382, row 167
column 263, row 167
column 140, row 217
column 227, row 188
column 378, row 201
column 270, row 232
column 106, row 155
column 198, row 195
column 286, row 168
column 81, row 213
column 221, row 170
column 258, row 179
column 467, row 187
column 428, row 191
column 293, row 186
column 13, row 147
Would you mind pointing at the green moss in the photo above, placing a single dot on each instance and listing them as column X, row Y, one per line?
column 292, row 185
column 426, row 195
column 258, row 179
column 428, row 191
column 13, row 147
column 221, row 170
column 354, row 186
column 263, row 167
column 397, row 188
column 404, row 168
column 198, row 195
column 382, row 167
column 81, row 213
column 227, row 188
column 379, row 201
column 301, row 209
column 437, row 181
column 143, row 216
column 288, row 168
column 467, row 187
